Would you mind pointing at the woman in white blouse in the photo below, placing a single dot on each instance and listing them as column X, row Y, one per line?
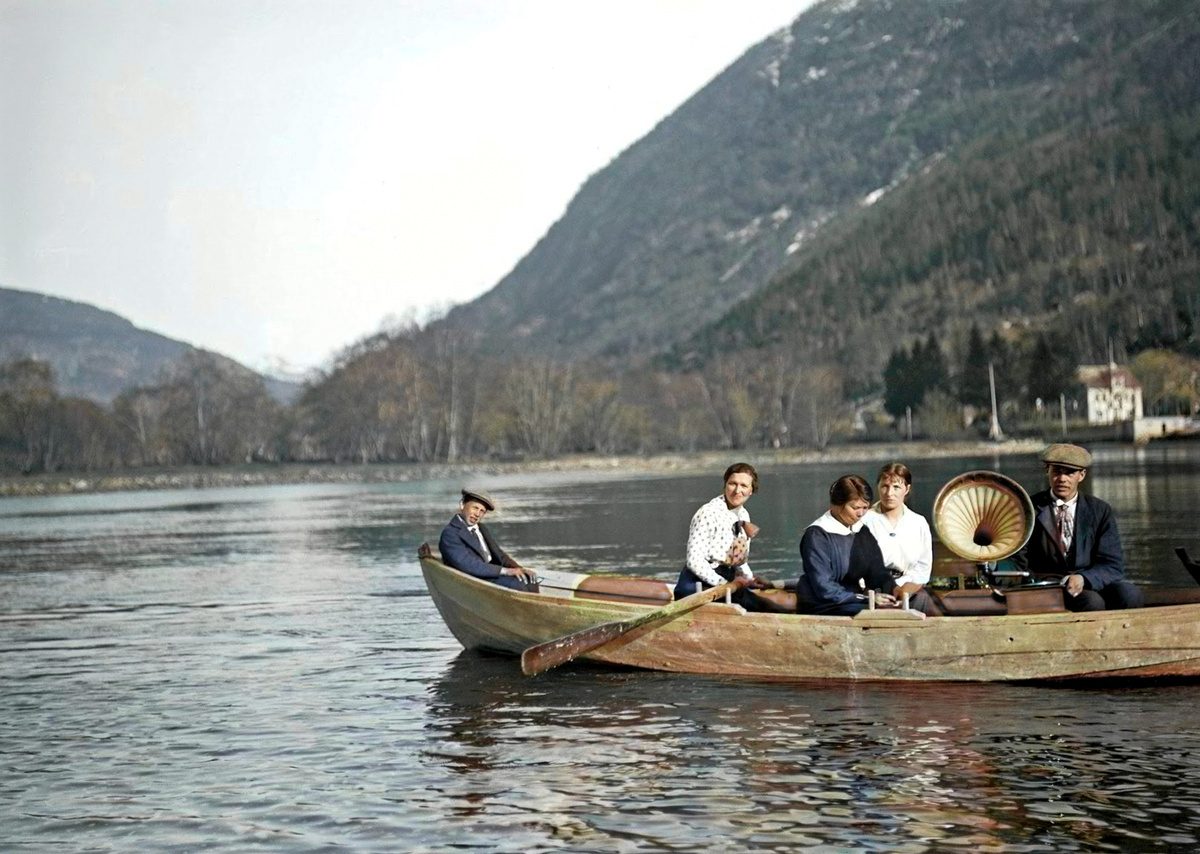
column 903, row 536
column 719, row 539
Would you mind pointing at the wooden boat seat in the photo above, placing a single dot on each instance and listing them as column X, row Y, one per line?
column 1035, row 599
column 618, row 589
column 1039, row 599
column 970, row 603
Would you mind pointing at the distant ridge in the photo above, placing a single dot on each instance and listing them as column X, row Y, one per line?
column 95, row 354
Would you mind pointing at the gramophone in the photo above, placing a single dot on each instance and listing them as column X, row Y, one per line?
column 985, row 517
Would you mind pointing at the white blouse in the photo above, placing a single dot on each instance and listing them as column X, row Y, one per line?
column 907, row 547
column 710, row 537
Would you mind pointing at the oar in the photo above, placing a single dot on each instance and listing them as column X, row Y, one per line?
column 540, row 658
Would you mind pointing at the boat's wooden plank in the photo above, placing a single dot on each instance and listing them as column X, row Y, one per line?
column 887, row 615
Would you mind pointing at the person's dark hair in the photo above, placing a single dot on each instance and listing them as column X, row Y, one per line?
column 899, row 471
column 742, row 468
column 847, row 488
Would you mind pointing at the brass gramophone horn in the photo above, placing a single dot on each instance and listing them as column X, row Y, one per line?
column 983, row 516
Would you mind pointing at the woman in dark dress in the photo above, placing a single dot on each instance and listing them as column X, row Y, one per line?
column 842, row 559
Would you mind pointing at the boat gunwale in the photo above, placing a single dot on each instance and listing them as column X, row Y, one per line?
column 638, row 608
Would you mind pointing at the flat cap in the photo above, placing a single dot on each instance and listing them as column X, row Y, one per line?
column 480, row 496
column 1071, row 456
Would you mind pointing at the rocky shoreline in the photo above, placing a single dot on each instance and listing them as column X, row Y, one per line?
column 67, row 483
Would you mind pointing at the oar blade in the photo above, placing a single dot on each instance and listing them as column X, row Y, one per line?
column 544, row 656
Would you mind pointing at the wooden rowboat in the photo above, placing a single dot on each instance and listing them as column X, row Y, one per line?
column 721, row 638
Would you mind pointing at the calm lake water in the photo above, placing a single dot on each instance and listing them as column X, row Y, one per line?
column 261, row 670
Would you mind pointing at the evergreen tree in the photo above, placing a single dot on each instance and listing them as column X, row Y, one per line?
column 910, row 375
column 932, row 373
column 973, row 378
column 1051, row 371
column 896, row 384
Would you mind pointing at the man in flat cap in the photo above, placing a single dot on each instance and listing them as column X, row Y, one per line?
column 1075, row 536
column 467, row 545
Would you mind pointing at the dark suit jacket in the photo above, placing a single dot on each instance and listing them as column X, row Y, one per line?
column 1095, row 551
column 460, row 549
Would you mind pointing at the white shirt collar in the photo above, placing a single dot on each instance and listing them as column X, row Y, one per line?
column 833, row 526
column 1058, row 502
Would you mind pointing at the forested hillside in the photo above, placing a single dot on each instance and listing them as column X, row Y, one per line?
column 856, row 100
column 1092, row 238
column 1078, row 221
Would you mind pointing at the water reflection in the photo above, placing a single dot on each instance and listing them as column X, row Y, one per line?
column 848, row 766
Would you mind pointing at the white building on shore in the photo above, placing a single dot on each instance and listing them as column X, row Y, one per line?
column 1114, row 394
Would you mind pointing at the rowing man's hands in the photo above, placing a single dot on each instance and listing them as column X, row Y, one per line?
column 526, row 575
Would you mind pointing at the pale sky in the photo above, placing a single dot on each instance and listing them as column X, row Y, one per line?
column 273, row 179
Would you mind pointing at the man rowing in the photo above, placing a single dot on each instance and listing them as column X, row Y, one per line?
column 467, row 545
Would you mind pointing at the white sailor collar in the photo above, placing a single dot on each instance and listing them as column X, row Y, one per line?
column 831, row 525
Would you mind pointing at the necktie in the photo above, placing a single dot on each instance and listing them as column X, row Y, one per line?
column 474, row 529
column 1066, row 526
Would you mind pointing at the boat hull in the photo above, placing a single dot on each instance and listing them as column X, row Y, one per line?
column 720, row 638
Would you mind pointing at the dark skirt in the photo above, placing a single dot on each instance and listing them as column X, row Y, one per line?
column 690, row 583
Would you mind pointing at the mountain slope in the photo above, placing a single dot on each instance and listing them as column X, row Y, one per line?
column 95, row 354
column 853, row 99
column 1091, row 240
column 1079, row 223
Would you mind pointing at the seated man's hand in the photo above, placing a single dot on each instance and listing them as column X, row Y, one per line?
column 757, row 583
column 887, row 600
column 526, row 575
column 1074, row 584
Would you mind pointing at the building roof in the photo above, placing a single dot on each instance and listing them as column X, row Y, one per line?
column 1107, row 376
